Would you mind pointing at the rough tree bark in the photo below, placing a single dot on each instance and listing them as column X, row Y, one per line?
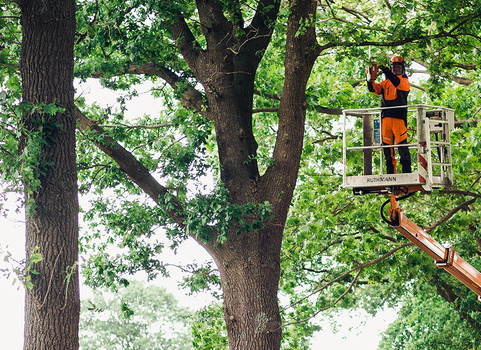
column 250, row 264
column 52, row 307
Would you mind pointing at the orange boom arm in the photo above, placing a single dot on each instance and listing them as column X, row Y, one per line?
column 445, row 258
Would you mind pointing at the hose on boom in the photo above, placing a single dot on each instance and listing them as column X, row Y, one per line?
column 389, row 222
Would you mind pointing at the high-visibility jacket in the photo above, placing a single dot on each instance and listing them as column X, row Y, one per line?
column 394, row 91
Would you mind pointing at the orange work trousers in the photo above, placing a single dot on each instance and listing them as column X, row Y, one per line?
column 395, row 132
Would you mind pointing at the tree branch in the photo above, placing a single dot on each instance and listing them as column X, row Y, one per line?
column 191, row 98
column 154, row 126
column 359, row 267
column 187, row 44
column 358, row 14
column 449, row 215
column 393, row 43
column 466, row 20
column 271, row 96
column 478, row 242
column 215, row 26
column 333, row 304
column 456, row 79
column 268, row 110
column 339, row 210
column 137, row 172
column 261, row 26
column 461, row 193
column 447, row 293
column 300, row 56
column 183, row 269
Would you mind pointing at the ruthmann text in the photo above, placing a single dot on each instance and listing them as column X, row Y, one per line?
column 382, row 179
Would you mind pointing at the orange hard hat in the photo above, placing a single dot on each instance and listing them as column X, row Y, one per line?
column 397, row 59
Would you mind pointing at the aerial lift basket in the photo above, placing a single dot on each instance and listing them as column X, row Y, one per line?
column 431, row 146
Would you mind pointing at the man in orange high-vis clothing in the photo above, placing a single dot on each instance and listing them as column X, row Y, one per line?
column 394, row 91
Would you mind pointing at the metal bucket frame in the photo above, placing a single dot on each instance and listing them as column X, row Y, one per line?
column 431, row 121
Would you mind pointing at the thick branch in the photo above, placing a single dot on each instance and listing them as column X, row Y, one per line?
column 393, row 43
column 447, row 293
column 478, row 242
column 215, row 26
column 271, row 96
column 456, row 79
column 461, row 193
column 320, row 109
column 459, row 123
column 466, row 20
column 358, row 14
column 459, row 80
column 268, row 110
column 261, row 27
column 191, row 98
column 299, row 61
column 327, row 110
column 186, row 43
column 137, row 172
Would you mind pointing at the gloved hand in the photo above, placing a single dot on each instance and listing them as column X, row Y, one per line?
column 371, row 73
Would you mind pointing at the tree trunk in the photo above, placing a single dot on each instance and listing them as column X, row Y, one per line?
column 249, row 264
column 52, row 306
column 250, row 269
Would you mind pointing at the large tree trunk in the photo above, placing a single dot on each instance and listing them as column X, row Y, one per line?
column 52, row 306
column 249, row 263
column 250, row 268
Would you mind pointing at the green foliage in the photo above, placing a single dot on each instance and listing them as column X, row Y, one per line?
column 22, row 270
column 298, row 336
column 426, row 321
column 173, row 150
column 22, row 163
column 131, row 226
column 202, row 279
column 208, row 329
column 10, row 42
column 207, row 215
column 139, row 318
column 128, row 36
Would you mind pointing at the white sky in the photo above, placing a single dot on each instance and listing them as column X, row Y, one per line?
column 354, row 329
